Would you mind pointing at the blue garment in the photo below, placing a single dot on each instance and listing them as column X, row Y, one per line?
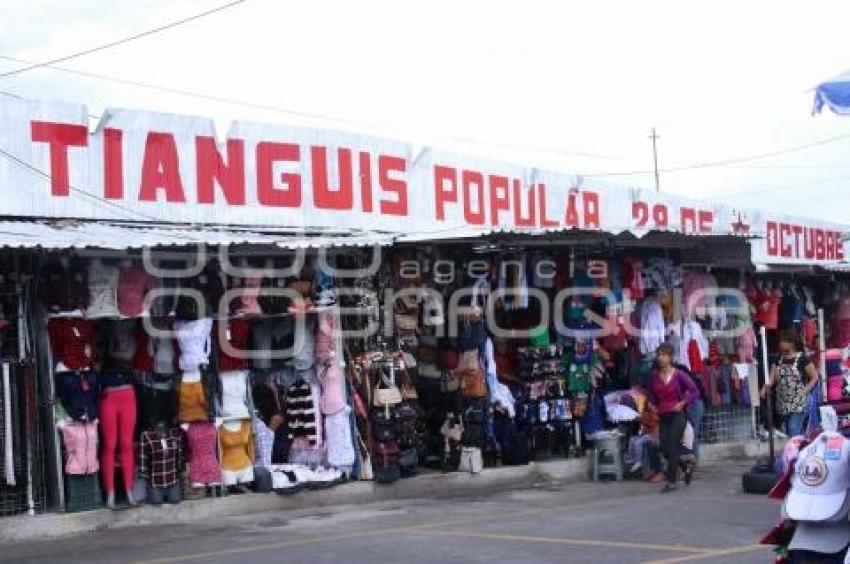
column 696, row 411
column 794, row 424
column 78, row 392
column 813, row 407
column 594, row 418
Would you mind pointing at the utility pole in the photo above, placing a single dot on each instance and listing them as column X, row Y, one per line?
column 654, row 137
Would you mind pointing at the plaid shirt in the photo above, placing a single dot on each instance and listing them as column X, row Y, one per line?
column 162, row 457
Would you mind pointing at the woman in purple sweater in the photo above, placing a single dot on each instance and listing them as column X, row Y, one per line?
column 670, row 391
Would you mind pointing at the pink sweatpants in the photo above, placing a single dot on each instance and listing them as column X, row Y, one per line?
column 117, row 423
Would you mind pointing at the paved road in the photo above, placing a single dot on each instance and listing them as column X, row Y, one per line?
column 709, row 522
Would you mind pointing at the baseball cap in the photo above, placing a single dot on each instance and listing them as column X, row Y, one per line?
column 821, row 478
column 823, row 538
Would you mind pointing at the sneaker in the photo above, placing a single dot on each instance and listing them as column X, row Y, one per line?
column 669, row 488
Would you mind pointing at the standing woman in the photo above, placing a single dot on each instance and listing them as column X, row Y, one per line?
column 794, row 377
column 670, row 391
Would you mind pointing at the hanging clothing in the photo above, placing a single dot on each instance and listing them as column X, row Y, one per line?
column 327, row 332
column 8, row 435
column 117, row 424
column 103, row 290
column 747, row 346
column 77, row 391
column 333, row 388
column 162, row 457
column 338, row 439
column 233, row 340
column 64, row 289
column 71, row 342
column 204, row 469
column 81, row 449
column 273, row 341
column 234, row 395
column 237, row 453
column 195, row 345
column 122, row 341
column 653, row 329
column 301, row 413
column 134, row 283
column 264, row 438
column 193, row 402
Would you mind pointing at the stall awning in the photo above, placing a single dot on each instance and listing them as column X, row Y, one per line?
column 54, row 235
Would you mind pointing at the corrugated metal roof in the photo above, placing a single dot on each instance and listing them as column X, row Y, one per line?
column 87, row 234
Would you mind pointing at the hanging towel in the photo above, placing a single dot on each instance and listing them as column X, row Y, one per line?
column 8, row 452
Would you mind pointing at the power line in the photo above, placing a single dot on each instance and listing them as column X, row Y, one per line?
column 725, row 162
column 121, row 41
column 305, row 114
column 102, row 201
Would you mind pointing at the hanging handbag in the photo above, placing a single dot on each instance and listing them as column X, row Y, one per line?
column 389, row 395
column 408, row 390
column 471, row 460
column 473, row 381
column 449, row 382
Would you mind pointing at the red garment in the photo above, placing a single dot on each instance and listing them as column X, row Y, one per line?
column 134, row 283
column 714, row 352
column 203, row 462
column 767, row 309
column 117, row 423
column 695, row 357
column 633, row 278
column 71, row 342
column 237, row 339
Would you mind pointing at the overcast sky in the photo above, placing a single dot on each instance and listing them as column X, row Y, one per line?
column 537, row 83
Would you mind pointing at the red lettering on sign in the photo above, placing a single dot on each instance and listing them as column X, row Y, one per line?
column 571, row 219
column 470, row 178
column 324, row 196
column 706, row 221
column 772, row 239
column 211, row 168
column 499, row 197
column 268, row 194
column 820, row 250
column 59, row 136
column 640, row 213
column 444, row 175
column 798, row 230
column 541, row 195
column 809, row 243
column 829, row 236
column 592, row 219
column 161, row 169
column 521, row 220
column 839, row 246
column 366, row 181
column 661, row 216
column 688, row 220
column 784, row 246
column 398, row 186
column 113, row 163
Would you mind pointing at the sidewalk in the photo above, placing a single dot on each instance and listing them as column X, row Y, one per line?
column 432, row 485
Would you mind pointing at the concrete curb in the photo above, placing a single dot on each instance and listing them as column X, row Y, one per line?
column 53, row 525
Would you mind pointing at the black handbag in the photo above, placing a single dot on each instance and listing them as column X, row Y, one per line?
column 383, row 426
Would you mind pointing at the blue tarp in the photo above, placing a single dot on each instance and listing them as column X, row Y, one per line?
column 835, row 94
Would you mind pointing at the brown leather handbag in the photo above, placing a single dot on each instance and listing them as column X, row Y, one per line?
column 473, row 381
